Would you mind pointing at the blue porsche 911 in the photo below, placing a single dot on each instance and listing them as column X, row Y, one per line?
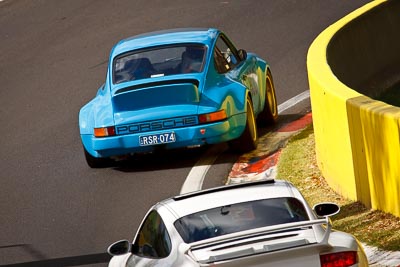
column 177, row 88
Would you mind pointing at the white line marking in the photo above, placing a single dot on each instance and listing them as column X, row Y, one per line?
column 195, row 178
column 293, row 101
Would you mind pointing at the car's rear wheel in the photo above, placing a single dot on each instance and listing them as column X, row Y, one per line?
column 270, row 113
column 94, row 162
column 248, row 140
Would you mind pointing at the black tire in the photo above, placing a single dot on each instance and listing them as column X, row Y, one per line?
column 269, row 115
column 95, row 163
column 249, row 138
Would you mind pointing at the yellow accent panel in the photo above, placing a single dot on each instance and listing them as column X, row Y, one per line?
column 359, row 158
column 379, row 140
column 357, row 138
column 332, row 139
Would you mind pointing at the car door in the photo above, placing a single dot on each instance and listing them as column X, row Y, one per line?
column 229, row 62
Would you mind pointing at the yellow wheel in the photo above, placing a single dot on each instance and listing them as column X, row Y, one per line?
column 248, row 140
column 270, row 113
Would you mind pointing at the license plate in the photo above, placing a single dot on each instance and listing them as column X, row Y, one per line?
column 155, row 139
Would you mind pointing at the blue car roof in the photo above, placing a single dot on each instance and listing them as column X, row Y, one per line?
column 166, row 37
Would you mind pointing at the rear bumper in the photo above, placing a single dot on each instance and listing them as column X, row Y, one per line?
column 185, row 137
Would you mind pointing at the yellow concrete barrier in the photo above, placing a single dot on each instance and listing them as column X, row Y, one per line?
column 358, row 138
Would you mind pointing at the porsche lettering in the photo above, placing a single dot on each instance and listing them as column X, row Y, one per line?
column 157, row 125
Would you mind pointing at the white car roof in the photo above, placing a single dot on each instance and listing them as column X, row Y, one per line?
column 216, row 197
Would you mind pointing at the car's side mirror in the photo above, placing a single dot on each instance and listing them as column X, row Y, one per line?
column 326, row 209
column 242, row 54
column 119, row 248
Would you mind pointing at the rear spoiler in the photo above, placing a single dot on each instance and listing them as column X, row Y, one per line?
column 158, row 83
column 257, row 232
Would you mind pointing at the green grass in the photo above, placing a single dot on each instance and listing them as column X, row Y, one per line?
column 298, row 165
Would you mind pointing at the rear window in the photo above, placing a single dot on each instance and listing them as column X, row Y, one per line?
column 160, row 61
column 239, row 217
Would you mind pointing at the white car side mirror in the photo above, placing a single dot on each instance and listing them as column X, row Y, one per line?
column 119, row 248
column 326, row 209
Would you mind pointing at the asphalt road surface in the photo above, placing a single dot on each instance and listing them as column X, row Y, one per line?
column 54, row 209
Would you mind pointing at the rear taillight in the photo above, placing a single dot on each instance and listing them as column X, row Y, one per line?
column 104, row 131
column 339, row 259
column 212, row 117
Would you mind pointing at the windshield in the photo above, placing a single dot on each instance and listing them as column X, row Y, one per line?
column 240, row 217
column 157, row 62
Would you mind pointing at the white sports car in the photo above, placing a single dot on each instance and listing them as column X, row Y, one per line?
column 264, row 223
